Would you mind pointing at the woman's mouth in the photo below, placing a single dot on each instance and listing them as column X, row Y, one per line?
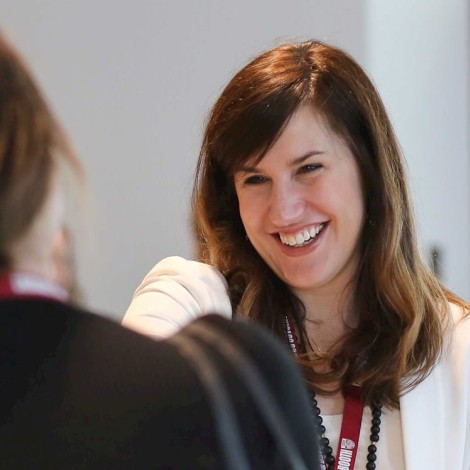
column 302, row 237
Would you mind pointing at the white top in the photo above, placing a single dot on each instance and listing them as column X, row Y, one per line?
column 390, row 455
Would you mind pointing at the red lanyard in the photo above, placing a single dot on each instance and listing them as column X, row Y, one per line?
column 350, row 429
column 352, row 418
column 20, row 285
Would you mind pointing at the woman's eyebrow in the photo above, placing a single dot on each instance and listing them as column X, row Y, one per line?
column 246, row 169
column 305, row 156
column 296, row 161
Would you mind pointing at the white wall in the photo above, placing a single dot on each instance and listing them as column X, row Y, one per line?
column 132, row 82
column 419, row 55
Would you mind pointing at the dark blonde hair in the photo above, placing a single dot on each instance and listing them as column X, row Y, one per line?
column 401, row 304
column 31, row 142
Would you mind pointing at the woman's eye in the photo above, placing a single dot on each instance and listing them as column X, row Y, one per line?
column 310, row 168
column 255, row 179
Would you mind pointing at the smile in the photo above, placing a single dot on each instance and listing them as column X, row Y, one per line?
column 302, row 237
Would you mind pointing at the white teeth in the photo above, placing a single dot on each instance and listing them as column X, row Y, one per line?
column 300, row 238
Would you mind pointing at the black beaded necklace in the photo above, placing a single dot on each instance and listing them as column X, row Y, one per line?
column 325, row 447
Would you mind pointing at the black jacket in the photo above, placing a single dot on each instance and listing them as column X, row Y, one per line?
column 79, row 391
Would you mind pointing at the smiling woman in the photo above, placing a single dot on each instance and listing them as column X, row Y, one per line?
column 301, row 201
column 292, row 207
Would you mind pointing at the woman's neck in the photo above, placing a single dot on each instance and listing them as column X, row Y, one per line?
column 329, row 316
column 33, row 262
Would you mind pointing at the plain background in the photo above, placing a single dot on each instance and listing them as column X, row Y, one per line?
column 132, row 82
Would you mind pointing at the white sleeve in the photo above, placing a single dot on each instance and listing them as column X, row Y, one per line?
column 175, row 292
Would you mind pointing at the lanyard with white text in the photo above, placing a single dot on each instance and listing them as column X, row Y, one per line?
column 352, row 417
column 350, row 430
column 20, row 285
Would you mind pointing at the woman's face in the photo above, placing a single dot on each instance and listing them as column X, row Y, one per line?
column 302, row 206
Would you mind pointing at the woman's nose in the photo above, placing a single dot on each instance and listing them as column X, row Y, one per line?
column 286, row 205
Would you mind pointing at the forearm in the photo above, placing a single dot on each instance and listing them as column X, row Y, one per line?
column 175, row 292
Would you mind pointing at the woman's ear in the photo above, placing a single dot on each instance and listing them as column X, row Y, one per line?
column 32, row 250
column 62, row 259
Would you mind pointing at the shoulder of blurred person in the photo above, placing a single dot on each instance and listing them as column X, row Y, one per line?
column 86, row 393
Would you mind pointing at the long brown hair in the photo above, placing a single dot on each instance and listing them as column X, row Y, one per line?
column 31, row 143
column 400, row 302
